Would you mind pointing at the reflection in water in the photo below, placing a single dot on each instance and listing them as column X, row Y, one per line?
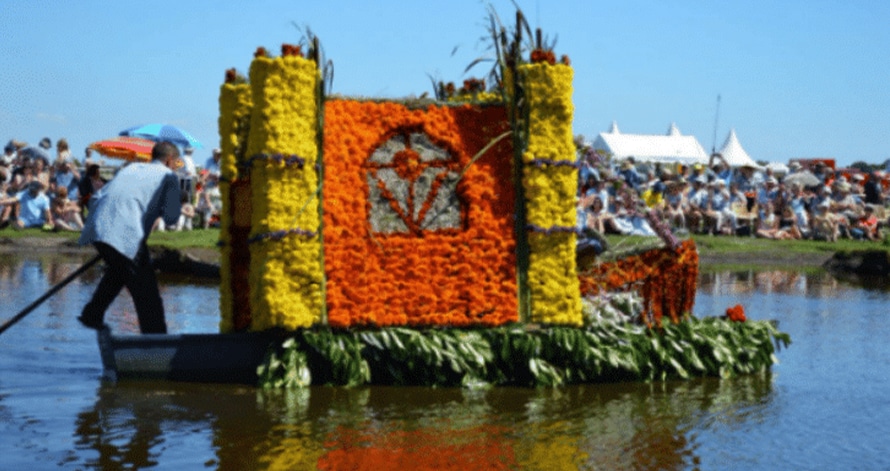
column 620, row 426
column 768, row 282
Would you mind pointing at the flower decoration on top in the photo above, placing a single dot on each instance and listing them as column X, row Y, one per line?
column 234, row 77
column 291, row 50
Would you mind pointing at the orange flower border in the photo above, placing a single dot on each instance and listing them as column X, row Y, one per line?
column 665, row 278
column 433, row 278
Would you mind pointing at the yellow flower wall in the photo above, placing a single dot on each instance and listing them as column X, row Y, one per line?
column 550, row 183
column 234, row 107
column 286, row 274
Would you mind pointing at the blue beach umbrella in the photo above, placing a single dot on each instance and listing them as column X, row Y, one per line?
column 163, row 132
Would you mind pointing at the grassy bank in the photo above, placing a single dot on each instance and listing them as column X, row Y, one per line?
column 204, row 238
column 714, row 251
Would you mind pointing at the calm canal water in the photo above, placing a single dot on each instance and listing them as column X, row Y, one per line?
column 821, row 408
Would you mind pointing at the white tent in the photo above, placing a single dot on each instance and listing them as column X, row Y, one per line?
column 672, row 147
column 734, row 154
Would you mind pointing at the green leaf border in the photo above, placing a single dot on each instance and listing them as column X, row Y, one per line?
column 521, row 354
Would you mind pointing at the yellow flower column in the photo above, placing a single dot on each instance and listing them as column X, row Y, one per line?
column 550, row 182
column 234, row 113
column 285, row 251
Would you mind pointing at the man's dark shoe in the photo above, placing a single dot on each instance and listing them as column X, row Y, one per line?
column 92, row 323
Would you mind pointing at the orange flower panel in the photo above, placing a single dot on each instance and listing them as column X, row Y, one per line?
column 459, row 276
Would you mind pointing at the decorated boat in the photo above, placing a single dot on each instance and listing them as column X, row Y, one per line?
column 427, row 242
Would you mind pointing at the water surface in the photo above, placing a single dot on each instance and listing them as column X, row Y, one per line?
column 821, row 408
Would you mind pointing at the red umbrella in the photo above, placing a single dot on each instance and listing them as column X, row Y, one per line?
column 126, row 148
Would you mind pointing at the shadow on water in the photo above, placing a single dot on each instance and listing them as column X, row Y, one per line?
column 621, row 426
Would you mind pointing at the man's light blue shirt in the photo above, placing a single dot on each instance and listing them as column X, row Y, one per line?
column 124, row 210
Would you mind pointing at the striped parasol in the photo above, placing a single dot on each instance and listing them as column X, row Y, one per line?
column 124, row 147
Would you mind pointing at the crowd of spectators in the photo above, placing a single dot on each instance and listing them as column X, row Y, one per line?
column 52, row 192
column 803, row 203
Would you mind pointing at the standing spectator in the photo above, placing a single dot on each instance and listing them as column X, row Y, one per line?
column 188, row 168
column 119, row 223
column 33, row 207
column 62, row 152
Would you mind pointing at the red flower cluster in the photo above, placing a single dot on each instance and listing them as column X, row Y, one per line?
column 231, row 75
column 665, row 278
column 736, row 313
column 472, row 85
column 260, row 52
column 541, row 55
column 291, row 50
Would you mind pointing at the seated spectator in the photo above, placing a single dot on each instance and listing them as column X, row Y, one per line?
column 187, row 216
column 866, row 227
column 33, row 207
column 209, row 204
column 66, row 213
column 65, row 176
column 824, row 225
column 768, row 226
column 89, row 184
column 872, row 190
column 790, row 224
column 653, row 195
column 718, row 215
column 696, row 204
column 598, row 218
column 797, row 203
column 628, row 220
column 676, row 204
column 629, row 173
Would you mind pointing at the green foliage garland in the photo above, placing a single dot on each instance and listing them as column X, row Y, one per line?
column 522, row 355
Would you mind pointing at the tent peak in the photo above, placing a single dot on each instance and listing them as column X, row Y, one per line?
column 673, row 130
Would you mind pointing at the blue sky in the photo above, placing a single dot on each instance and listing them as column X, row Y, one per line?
column 795, row 78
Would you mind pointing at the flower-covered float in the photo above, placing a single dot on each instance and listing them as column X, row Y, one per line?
column 433, row 242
